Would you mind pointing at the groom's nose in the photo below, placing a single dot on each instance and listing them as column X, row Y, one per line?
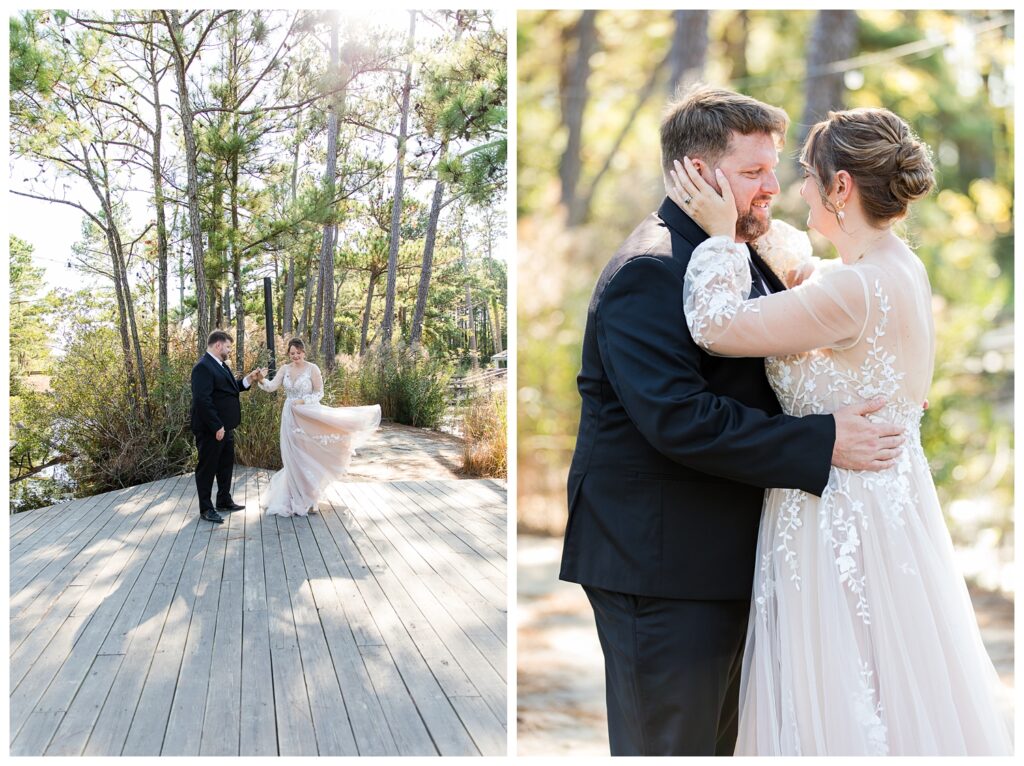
column 770, row 185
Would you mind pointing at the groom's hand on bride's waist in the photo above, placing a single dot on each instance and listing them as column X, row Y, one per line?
column 862, row 445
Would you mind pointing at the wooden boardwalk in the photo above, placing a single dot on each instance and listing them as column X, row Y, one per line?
column 376, row 627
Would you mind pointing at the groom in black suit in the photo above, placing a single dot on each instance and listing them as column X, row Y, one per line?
column 675, row 449
column 216, row 412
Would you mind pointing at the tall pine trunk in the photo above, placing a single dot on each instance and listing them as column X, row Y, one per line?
column 173, row 21
column 689, row 49
column 325, row 295
column 427, row 267
column 396, row 209
column 289, row 287
column 580, row 42
column 470, row 311
column 833, row 38
column 364, row 333
column 163, row 331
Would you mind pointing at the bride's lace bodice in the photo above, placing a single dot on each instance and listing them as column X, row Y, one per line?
column 306, row 385
column 852, row 333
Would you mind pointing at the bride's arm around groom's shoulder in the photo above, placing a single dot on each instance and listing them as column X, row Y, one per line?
column 830, row 311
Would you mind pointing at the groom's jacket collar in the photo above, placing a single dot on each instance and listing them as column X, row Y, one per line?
column 681, row 223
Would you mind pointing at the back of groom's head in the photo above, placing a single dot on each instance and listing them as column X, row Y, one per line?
column 701, row 123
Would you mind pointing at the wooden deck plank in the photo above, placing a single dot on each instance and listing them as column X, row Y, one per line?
column 475, row 603
column 330, row 718
column 464, row 637
column 295, row 732
column 38, row 587
column 427, row 667
column 258, row 730
column 54, row 689
column 480, row 537
column 374, row 628
column 463, row 560
column 368, row 722
column 136, row 621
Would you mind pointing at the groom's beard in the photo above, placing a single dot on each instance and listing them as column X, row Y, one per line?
column 750, row 226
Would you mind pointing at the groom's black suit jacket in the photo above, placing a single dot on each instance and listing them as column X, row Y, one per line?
column 215, row 402
column 675, row 446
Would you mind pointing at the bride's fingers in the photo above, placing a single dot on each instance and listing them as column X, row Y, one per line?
column 696, row 178
column 723, row 182
column 677, row 193
column 686, row 185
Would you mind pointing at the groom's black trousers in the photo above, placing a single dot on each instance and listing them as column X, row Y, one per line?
column 672, row 672
column 216, row 459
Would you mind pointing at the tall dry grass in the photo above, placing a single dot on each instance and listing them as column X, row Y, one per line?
column 485, row 430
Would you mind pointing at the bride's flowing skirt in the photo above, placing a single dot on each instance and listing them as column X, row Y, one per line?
column 862, row 638
column 317, row 444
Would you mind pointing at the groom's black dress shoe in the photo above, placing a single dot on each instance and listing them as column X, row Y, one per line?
column 230, row 507
column 213, row 516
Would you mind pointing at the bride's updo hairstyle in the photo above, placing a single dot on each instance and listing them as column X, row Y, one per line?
column 296, row 343
column 891, row 166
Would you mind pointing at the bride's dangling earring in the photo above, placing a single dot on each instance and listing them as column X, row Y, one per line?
column 840, row 215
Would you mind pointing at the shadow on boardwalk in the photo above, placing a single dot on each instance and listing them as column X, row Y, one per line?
column 561, row 708
column 377, row 626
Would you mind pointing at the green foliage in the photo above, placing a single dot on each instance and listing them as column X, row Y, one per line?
column 410, row 388
column 29, row 308
column 118, row 444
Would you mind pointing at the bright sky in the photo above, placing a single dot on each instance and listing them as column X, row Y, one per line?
column 52, row 229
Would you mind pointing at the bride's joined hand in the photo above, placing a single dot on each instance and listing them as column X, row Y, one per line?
column 714, row 212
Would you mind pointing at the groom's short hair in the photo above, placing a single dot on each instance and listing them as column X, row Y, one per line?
column 217, row 336
column 702, row 121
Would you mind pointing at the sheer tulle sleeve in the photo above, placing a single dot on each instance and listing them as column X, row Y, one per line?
column 828, row 312
column 318, row 385
column 274, row 383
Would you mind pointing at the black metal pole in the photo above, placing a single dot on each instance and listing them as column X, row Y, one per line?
column 268, row 317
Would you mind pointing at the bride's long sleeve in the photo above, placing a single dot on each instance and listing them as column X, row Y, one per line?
column 829, row 312
column 318, row 385
column 275, row 383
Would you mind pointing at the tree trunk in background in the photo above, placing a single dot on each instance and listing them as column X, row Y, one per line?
column 326, row 292
column 689, row 50
column 736, row 35
column 364, row 333
column 173, row 21
column 580, row 42
column 416, row 334
column 163, row 332
column 289, row 288
column 307, row 299
column 470, row 313
column 833, row 38
column 236, row 256
column 396, row 209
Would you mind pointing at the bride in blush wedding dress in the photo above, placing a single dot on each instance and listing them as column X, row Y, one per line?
column 317, row 442
column 862, row 639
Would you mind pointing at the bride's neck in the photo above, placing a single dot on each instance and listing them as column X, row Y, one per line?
column 858, row 241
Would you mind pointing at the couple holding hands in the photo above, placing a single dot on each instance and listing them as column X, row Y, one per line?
column 317, row 442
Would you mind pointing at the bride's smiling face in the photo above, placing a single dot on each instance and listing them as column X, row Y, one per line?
column 819, row 217
column 296, row 354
